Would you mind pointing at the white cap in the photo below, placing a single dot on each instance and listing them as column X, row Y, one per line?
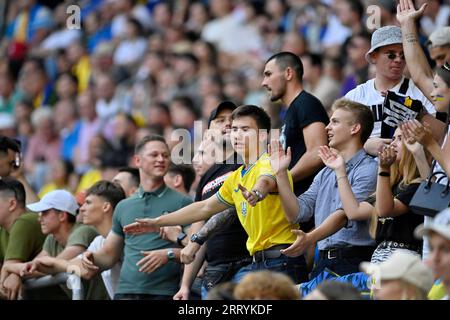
column 58, row 199
column 440, row 224
column 402, row 265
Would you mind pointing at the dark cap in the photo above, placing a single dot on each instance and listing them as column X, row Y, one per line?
column 223, row 105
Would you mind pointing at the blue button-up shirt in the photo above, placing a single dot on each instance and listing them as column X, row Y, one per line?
column 322, row 199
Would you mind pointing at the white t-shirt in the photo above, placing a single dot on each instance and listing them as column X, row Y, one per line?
column 366, row 93
column 111, row 276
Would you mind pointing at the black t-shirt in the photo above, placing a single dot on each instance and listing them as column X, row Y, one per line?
column 228, row 244
column 303, row 111
column 400, row 228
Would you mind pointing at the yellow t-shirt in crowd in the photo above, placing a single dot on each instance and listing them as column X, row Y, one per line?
column 437, row 292
column 88, row 179
column 46, row 188
column 265, row 223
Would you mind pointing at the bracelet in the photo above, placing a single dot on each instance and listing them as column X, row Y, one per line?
column 384, row 174
column 339, row 178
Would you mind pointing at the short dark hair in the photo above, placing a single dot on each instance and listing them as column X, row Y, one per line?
column 337, row 290
column 287, row 59
column 356, row 6
column 186, row 171
column 135, row 177
column 362, row 113
column 13, row 188
column 110, row 191
column 258, row 114
column 7, row 143
column 154, row 137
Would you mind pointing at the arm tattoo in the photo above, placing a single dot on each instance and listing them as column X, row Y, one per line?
column 218, row 222
column 410, row 37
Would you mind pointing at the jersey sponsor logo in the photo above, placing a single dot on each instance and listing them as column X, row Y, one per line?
column 244, row 208
column 215, row 183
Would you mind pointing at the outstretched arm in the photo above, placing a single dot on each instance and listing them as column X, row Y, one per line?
column 196, row 211
column 421, row 72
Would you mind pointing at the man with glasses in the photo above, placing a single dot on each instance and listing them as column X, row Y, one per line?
column 386, row 55
column 11, row 165
column 21, row 238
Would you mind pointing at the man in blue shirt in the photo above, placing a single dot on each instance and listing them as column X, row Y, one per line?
column 340, row 251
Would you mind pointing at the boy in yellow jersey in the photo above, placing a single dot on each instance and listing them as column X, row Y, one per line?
column 252, row 190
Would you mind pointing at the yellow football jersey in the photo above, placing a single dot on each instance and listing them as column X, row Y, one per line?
column 265, row 223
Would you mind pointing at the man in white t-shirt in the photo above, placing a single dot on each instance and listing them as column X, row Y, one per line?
column 386, row 54
column 97, row 210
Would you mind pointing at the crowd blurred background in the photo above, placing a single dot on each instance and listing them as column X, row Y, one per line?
column 80, row 98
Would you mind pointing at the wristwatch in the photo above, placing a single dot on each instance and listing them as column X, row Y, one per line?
column 180, row 237
column 197, row 239
column 170, row 254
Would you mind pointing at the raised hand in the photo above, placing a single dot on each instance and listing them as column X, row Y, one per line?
column 299, row 246
column 415, row 129
column 250, row 196
column 279, row 160
column 410, row 142
column 387, row 157
column 331, row 158
column 141, row 226
column 152, row 260
column 406, row 11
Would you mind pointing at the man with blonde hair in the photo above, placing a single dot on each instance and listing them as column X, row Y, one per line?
column 342, row 244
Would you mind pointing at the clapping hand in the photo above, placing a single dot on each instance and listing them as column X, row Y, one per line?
column 387, row 157
column 331, row 158
column 279, row 160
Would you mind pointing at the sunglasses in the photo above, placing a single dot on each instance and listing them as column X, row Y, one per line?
column 393, row 55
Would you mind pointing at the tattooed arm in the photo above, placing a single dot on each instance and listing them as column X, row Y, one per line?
column 421, row 72
column 216, row 223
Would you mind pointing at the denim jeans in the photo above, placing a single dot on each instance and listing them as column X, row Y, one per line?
column 295, row 268
column 340, row 266
column 215, row 274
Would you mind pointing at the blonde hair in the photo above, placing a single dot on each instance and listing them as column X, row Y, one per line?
column 403, row 173
column 266, row 285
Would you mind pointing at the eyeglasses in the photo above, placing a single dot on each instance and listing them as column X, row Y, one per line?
column 392, row 55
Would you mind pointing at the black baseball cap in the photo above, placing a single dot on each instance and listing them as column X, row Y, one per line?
column 223, row 105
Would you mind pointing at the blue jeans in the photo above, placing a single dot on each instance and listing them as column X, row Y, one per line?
column 215, row 274
column 295, row 268
column 340, row 266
